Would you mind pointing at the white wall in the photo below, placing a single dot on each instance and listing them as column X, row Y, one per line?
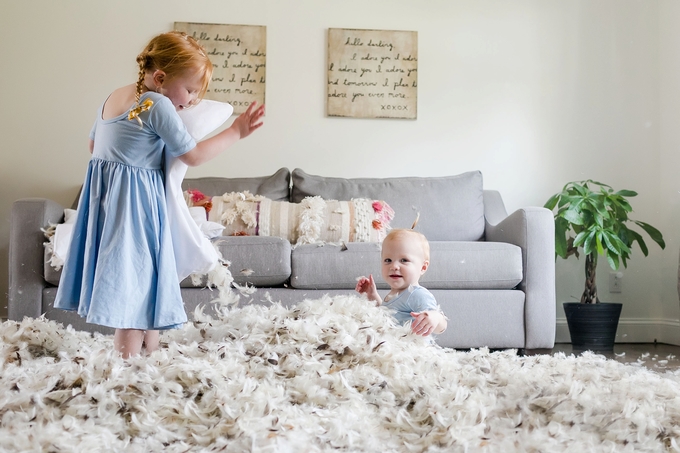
column 534, row 93
column 669, row 157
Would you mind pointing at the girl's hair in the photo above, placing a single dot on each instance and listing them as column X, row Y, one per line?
column 174, row 53
column 397, row 234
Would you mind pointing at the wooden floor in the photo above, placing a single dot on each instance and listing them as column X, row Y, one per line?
column 655, row 356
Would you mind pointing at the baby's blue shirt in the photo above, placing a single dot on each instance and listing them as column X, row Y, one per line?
column 413, row 299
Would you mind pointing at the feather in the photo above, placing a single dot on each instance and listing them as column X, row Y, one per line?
column 329, row 374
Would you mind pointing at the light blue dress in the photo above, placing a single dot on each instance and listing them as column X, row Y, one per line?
column 121, row 270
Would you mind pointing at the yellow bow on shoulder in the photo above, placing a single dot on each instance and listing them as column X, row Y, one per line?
column 135, row 111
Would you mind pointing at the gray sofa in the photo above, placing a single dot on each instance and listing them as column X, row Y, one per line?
column 492, row 273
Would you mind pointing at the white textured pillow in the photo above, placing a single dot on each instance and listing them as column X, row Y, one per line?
column 205, row 117
column 312, row 221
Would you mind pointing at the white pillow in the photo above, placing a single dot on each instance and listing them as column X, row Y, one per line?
column 205, row 117
column 210, row 229
column 70, row 215
column 194, row 253
column 61, row 239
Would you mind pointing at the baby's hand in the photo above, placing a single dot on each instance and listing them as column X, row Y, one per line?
column 367, row 286
column 363, row 284
column 426, row 323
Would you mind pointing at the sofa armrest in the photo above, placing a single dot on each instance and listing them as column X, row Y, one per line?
column 494, row 209
column 533, row 230
column 26, row 254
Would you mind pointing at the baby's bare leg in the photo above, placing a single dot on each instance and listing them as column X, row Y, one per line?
column 128, row 342
column 151, row 340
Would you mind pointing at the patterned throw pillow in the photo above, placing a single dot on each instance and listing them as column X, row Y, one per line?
column 313, row 220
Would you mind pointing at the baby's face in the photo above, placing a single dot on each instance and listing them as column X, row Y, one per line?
column 403, row 262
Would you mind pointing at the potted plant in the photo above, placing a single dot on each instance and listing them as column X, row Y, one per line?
column 592, row 217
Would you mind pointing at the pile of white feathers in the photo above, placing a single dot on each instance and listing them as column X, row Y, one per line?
column 334, row 374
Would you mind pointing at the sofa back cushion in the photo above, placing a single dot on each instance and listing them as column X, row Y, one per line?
column 453, row 265
column 275, row 187
column 451, row 208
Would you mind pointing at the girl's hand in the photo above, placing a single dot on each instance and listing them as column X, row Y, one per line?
column 427, row 322
column 367, row 286
column 250, row 120
column 243, row 126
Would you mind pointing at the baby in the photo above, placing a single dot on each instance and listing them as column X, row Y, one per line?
column 405, row 257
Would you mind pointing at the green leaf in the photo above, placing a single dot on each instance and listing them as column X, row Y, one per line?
column 621, row 245
column 580, row 238
column 564, row 200
column 598, row 241
column 624, row 205
column 573, row 216
column 653, row 233
column 613, row 261
column 626, row 193
column 560, row 245
column 552, row 202
column 600, row 219
column 598, row 183
column 588, row 243
column 641, row 242
column 609, row 241
column 580, row 190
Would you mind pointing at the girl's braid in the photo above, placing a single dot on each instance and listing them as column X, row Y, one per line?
column 142, row 60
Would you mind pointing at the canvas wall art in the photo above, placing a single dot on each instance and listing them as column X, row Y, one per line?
column 372, row 73
column 238, row 54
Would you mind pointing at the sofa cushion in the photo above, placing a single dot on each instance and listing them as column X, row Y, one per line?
column 473, row 265
column 332, row 266
column 453, row 265
column 259, row 260
column 256, row 260
column 276, row 186
column 451, row 207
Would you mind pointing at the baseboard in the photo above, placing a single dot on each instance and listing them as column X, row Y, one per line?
column 634, row 330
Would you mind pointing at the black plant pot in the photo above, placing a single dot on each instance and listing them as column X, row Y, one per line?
column 592, row 326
